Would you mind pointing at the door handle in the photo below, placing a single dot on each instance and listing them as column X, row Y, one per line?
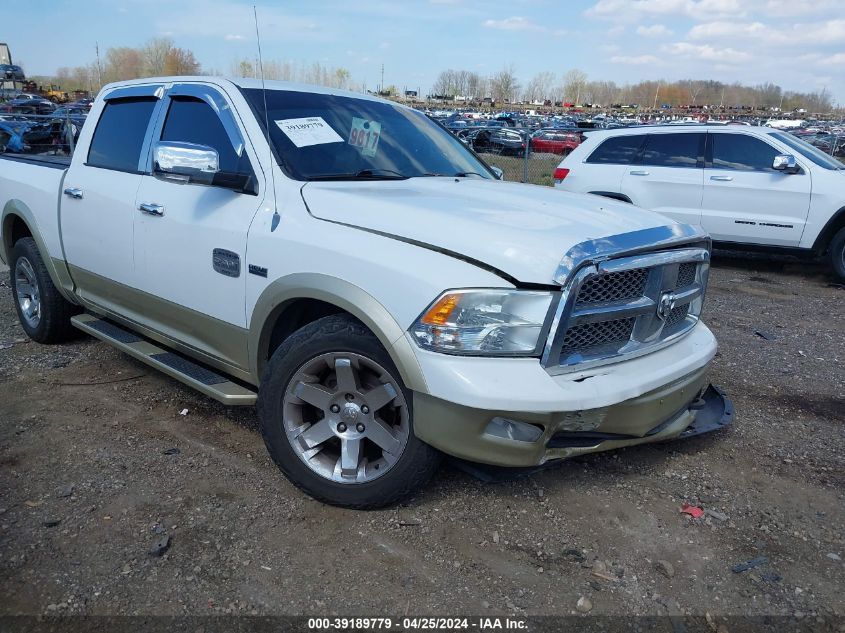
column 722, row 178
column 638, row 172
column 73, row 192
column 151, row 209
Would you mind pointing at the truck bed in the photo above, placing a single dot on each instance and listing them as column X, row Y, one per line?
column 45, row 160
column 30, row 185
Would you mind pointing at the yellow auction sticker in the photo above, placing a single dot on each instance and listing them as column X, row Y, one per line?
column 364, row 135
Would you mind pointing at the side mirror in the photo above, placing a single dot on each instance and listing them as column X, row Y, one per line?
column 189, row 162
column 500, row 175
column 186, row 162
column 785, row 163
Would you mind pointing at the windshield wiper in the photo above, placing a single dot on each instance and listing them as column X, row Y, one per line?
column 460, row 174
column 364, row 174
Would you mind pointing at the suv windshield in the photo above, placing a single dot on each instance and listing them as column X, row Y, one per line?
column 331, row 137
column 808, row 151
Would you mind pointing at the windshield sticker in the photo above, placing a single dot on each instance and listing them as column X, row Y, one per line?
column 364, row 135
column 312, row 130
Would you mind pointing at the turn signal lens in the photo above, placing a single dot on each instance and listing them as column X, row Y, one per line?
column 439, row 313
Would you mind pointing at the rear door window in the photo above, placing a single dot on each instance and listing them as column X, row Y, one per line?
column 742, row 153
column 618, row 150
column 674, row 150
column 120, row 134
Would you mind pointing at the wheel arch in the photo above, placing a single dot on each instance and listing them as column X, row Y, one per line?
column 296, row 300
column 831, row 228
column 16, row 221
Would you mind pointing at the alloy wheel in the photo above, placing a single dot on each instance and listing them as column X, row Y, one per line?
column 346, row 417
column 28, row 294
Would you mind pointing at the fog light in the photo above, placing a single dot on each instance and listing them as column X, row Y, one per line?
column 513, row 430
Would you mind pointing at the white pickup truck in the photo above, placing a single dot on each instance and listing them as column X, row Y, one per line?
column 349, row 266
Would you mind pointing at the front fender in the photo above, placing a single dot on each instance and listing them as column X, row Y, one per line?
column 346, row 296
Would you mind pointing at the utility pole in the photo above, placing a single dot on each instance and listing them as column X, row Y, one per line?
column 99, row 72
column 656, row 92
column 381, row 89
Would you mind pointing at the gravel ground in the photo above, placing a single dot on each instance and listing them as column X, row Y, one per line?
column 97, row 465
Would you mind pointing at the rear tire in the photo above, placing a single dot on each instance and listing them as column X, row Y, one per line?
column 338, row 420
column 44, row 314
column 837, row 254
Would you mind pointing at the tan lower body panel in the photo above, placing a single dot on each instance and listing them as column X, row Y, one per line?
column 200, row 378
column 212, row 341
column 460, row 431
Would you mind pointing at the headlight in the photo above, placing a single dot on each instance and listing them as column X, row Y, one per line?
column 484, row 322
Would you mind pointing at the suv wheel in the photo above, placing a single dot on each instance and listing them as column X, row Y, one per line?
column 337, row 419
column 837, row 254
column 44, row 314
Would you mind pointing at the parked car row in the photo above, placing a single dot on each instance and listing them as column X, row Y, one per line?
column 54, row 133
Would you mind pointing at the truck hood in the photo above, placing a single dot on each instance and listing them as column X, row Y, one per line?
column 520, row 230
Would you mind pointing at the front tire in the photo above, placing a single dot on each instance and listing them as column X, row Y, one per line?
column 837, row 254
column 44, row 314
column 337, row 418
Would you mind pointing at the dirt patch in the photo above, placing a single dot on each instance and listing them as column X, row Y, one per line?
column 245, row 541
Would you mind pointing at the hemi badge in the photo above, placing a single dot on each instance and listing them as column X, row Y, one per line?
column 257, row 270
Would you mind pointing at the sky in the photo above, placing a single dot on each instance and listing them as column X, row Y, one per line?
column 797, row 44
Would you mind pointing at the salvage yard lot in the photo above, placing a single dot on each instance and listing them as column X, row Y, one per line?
column 89, row 477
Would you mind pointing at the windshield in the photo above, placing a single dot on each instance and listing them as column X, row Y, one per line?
column 808, row 151
column 330, row 137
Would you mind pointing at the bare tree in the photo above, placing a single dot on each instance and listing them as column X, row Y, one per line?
column 475, row 86
column 122, row 63
column 180, row 61
column 573, row 85
column 155, row 53
column 539, row 88
column 504, row 85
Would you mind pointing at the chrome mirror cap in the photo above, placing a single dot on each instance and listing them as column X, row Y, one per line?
column 500, row 175
column 198, row 162
column 785, row 162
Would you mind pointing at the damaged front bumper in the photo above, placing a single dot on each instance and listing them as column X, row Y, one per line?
column 684, row 408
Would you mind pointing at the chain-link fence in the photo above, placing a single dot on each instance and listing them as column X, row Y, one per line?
column 532, row 167
column 529, row 156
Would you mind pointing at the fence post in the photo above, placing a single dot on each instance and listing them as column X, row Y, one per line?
column 525, row 159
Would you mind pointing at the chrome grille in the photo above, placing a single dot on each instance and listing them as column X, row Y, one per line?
column 627, row 306
column 628, row 284
column 686, row 275
column 595, row 335
column 677, row 315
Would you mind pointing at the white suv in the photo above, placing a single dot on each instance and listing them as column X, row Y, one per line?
column 752, row 186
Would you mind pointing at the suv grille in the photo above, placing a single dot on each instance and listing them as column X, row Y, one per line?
column 629, row 305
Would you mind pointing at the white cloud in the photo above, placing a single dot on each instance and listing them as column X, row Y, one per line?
column 234, row 38
column 837, row 59
column 515, row 23
column 706, row 52
column 655, row 30
column 827, row 32
column 635, row 60
column 632, row 10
